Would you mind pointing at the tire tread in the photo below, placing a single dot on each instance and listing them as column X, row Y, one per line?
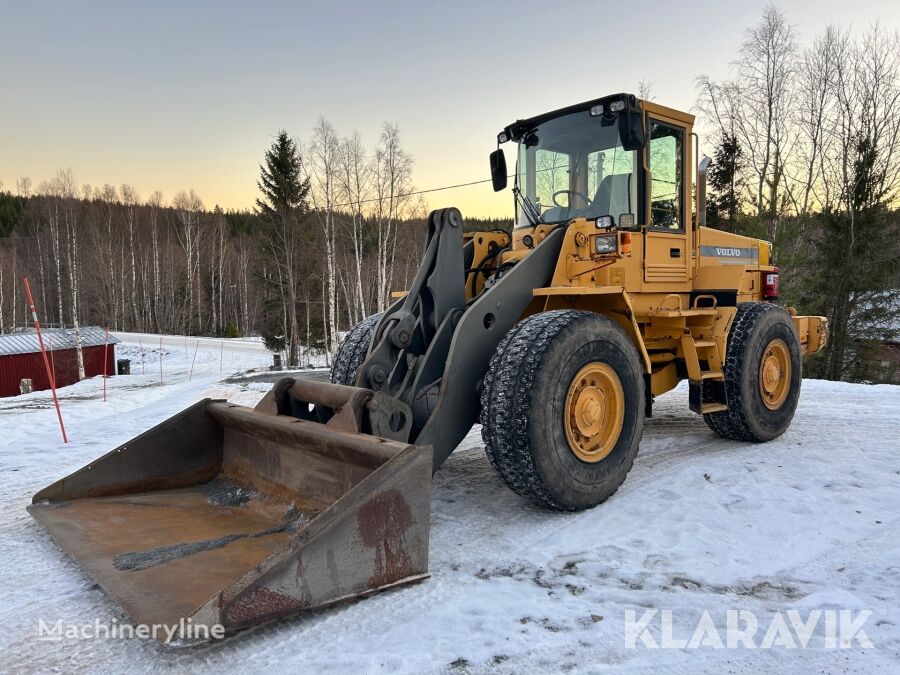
column 506, row 404
column 732, row 423
column 352, row 351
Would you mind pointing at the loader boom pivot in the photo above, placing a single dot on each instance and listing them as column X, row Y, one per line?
column 431, row 350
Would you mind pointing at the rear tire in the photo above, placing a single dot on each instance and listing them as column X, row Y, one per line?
column 353, row 350
column 762, row 335
column 526, row 411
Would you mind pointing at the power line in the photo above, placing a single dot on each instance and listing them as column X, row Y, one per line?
column 436, row 189
column 416, row 192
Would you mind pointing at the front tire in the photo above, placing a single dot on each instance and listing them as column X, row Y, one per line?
column 762, row 375
column 563, row 408
column 353, row 350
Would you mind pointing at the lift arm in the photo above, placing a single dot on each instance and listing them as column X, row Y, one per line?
column 431, row 350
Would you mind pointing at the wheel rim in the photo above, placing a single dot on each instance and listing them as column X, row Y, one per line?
column 595, row 410
column 775, row 374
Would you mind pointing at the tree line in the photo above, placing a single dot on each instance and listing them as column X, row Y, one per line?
column 807, row 155
column 806, row 148
column 334, row 231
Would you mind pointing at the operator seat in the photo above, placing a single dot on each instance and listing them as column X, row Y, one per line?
column 613, row 196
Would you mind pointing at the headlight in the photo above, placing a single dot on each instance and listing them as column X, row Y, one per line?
column 606, row 243
column 626, row 221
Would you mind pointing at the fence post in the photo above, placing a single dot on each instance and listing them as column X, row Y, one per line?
column 37, row 327
column 191, row 375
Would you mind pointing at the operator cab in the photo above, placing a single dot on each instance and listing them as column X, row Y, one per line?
column 572, row 167
column 587, row 161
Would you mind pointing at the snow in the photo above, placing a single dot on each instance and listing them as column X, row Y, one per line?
column 233, row 352
column 808, row 521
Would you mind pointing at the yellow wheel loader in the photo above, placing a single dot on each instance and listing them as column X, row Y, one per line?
column 609, row 291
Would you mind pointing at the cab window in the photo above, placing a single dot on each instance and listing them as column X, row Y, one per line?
column 615, row 166
column 574, row 166
column 666, row 186
column 552, row 175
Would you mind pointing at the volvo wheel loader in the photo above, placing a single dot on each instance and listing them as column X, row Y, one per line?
column 555, row 337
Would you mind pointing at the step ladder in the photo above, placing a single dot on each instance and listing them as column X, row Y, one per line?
column 695, row 351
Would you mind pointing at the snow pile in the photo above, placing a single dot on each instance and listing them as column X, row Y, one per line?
column 808, row 521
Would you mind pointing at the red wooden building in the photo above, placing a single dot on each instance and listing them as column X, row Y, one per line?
column 20, row 357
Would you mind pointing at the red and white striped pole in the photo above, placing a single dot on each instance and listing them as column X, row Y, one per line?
column 191, row 375
column 52, row 360
column 105, row 347
column 37, row 327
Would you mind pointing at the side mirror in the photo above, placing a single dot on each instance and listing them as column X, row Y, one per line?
column 498, row 170
column 631, row 130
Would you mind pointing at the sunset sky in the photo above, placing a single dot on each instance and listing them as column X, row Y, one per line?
column 181, row 95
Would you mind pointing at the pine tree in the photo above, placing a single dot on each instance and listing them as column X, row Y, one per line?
column 12, row 211
column 726, row 183
column 283, row 209
column 858, row 254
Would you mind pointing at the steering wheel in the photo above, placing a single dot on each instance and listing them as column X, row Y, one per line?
column 571, row 193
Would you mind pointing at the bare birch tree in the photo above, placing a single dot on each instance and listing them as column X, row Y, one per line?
column 392, row 171
column 815, row 78
column 63, row 215
column 155, row 204
column 188, row 207
column 765, row 70
column 354, row 181
column 130, row 201
column 322, row 165
column 23, row 187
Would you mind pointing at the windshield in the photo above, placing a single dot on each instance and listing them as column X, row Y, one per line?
column 574, row 167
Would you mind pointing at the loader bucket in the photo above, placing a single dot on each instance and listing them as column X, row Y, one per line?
column 224, row 516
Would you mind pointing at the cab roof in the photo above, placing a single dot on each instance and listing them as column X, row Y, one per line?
column 518, row 128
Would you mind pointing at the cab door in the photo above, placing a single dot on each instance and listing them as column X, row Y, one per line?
column 667, row 250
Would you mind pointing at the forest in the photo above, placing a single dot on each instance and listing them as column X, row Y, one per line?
column 107, row 256
column 805, row 138
column 806, row 154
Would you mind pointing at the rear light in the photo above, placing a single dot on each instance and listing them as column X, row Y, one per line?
column 770, row 285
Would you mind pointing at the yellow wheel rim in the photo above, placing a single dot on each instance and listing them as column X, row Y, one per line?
column 595, row 410
column 775, row 374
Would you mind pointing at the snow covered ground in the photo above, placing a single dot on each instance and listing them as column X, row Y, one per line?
column 809, row 521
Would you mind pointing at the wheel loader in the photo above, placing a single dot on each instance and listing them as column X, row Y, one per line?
column 556, row 338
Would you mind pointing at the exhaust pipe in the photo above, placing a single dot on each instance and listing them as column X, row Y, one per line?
column 702, row 170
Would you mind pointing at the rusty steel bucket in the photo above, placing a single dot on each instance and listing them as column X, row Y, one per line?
column 224, row 516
